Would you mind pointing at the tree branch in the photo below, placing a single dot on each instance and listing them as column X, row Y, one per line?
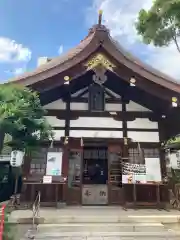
column 174, row 35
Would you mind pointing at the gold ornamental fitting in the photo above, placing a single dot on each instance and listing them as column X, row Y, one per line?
column 132, row 80
column 66, row 78
column 174, row 99
column 100, row 12
column 125, row 141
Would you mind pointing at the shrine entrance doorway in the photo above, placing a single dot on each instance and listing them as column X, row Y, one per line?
column 95, row 175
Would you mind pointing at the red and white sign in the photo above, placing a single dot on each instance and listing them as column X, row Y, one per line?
column 2, row 221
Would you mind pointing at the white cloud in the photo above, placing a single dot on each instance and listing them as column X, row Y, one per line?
column 18, row 71
column 15, row 56
column 120, row 17
column 12, row 52
column 60, row 50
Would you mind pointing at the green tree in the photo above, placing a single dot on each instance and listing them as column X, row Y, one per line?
column 160, row 25
column 23, row 117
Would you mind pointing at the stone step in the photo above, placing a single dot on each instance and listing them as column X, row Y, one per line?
column 100, row 227
column 109, row 219
column 107, row 235
column 104, row 231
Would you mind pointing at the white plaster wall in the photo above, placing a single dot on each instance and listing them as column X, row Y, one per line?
column 132, row 106
column 144, row 136
column 142, row 123
column 79, row 106
column 96, row 122
column 108, row 107
column 55, row 122
column 113, row 107
column 59, row 104
column 58, row 134
column 96, row 134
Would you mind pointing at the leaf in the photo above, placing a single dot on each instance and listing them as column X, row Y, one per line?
column 22, row 116
column 160, row 25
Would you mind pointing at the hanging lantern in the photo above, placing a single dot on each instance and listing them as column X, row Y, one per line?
column 17, row 158
column 174, row 102
column 132, row 82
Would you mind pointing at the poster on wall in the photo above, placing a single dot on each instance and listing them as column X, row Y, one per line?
column 128, row 178
column 133, row 173
column 150, row 172
column 54, row 164
column 153, row 170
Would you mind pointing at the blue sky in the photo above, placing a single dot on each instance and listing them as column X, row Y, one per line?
column 35, row 28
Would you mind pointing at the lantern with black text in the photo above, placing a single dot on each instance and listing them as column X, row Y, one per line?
column 16, row 158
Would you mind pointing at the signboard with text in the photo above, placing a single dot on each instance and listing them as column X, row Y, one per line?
column 54, row 164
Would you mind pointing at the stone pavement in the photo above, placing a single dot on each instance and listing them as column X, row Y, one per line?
column 101, row 223
column 97, row 214
column 111, row 238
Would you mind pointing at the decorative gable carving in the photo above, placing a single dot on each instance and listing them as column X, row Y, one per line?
column 97, row 60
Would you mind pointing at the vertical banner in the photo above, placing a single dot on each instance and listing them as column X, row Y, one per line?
column 54, row 164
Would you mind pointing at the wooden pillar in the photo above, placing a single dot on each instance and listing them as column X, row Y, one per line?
column 162, row 137
column 65, row 159
column 67, row 114
column 124, row 120
column 26, row 166
column 65, row 170
column 125, row 153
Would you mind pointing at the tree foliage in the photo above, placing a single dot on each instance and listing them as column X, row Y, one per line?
column 22, row 117
column 160, row 25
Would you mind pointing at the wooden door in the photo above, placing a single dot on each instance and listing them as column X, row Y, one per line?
column 74, row 172
column 115, row 174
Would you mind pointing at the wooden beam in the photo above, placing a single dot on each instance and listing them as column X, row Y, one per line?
column 74, row 114
column 85, row 100
column 106, row 129
column 138, row 95
column 124, row 121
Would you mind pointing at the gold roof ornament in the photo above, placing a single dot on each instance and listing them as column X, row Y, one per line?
column 97, row 60
column 100, row 17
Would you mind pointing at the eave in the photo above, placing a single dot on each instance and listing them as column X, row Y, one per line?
column 72, row 64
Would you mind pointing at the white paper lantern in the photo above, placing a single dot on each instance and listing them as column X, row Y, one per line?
column 17, row 158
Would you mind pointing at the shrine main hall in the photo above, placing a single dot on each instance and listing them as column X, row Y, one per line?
column 110, row 113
